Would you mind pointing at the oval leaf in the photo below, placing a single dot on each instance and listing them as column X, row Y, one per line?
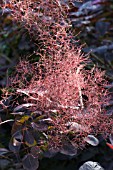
column 30, row 162
column 92, row 140
column 24, row 119
column 90, row 165
column 51, row 152
column 16, row 141
column 36, row 151
column 39, row 127
column 14, row 148
column 68, row 149
column 17, row 138
column 3, row 151
column 22, row 107
column 29, row 139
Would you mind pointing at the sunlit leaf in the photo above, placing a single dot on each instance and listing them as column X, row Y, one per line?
column 90, row 165
column 24, row 119
column 11, row 120
column 22, row 107
column 46, row 120
column 18, row 113
column 30, row 162
column 92, row 140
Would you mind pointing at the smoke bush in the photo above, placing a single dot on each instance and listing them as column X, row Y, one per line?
column 60, row 86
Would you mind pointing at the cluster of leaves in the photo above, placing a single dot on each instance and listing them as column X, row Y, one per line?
column 56, row 104
column 30, row 133
column 93, row 21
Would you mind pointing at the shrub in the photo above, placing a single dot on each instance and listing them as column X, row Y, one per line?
column 59, row 80
column 66, row 100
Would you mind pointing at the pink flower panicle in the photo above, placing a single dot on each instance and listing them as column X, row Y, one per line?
column 59, row 84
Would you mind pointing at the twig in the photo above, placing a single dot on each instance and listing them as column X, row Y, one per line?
column 42, row 94
column 79, row 89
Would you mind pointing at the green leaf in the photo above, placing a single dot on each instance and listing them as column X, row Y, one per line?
column 24, row 119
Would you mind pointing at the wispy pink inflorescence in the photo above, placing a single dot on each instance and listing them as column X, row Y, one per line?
column 60, row 82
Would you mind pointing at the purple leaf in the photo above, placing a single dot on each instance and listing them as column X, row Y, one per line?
column 92, row 140
column 15, row 142
column 68, row 149
column 29, row 139
column 30, row 162
column 40, row 126
column 51, row 152
column 3, row 151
